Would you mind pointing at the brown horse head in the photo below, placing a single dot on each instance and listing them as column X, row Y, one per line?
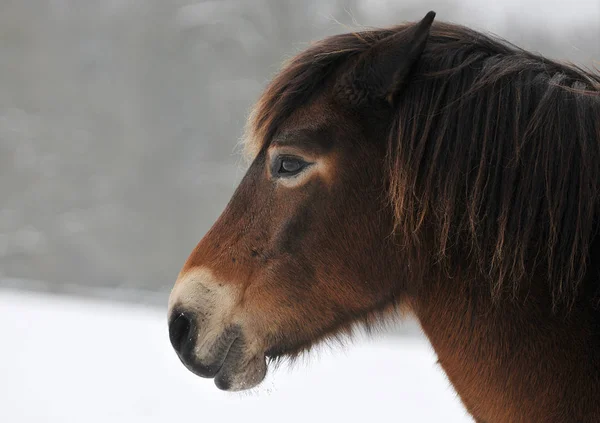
column 426, row 167
column 303, row 249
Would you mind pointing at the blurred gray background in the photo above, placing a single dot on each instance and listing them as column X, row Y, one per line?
column 119, row 119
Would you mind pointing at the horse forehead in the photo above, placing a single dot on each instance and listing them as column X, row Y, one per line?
column 315, row 115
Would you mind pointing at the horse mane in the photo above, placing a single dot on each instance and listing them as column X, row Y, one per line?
column 495, row 149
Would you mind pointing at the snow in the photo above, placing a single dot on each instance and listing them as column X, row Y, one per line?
column 72, row 360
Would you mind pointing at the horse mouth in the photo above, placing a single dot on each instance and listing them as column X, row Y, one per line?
column 233, row 367
column 241, row 373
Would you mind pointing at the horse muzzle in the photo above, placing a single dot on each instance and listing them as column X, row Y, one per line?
column 209, row 339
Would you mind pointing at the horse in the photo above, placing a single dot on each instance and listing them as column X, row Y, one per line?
column 428, row 169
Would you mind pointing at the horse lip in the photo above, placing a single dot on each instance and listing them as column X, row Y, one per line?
column 205, row 371
column 211, row 370
column 226, row 355
column 221, row 380
column 240, row 370
column 229, row 368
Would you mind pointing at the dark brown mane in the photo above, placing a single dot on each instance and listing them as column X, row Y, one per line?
column 498, row 147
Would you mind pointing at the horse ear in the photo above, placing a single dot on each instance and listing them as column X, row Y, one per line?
column 381, row 72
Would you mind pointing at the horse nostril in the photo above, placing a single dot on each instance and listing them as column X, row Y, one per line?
column 180, row 328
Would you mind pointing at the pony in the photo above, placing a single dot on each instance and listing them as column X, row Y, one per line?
column 425, row 168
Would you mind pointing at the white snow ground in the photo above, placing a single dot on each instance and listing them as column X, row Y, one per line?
column 72, row 360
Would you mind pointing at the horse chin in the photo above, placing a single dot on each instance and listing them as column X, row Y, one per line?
column 239, row 374
column 291, row 349
column 242, row 371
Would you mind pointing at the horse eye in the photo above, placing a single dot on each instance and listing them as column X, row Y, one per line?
column 289, row 166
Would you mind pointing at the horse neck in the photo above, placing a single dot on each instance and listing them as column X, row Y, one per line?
column 515, row 361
